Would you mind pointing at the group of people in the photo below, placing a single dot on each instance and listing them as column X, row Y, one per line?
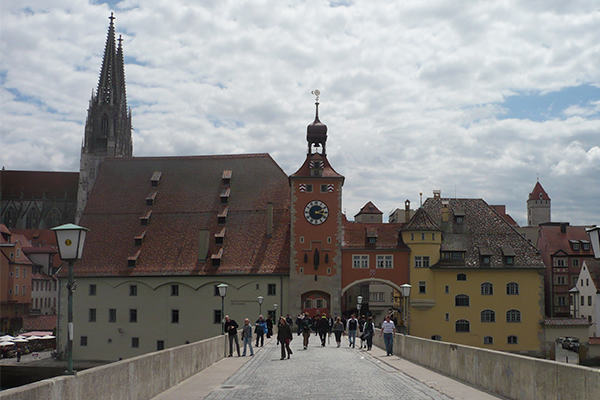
column 321, row 325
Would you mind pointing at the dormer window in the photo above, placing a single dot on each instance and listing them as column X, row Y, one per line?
column 459, row 219
column 222, row 217
column 132, row 260
column 216, row 258
column 155, row 178
column 485, row 260
column 585, row 245
column 150, row 198
column 138, row 240
column 219, row 237
column 144, row 219
column 372, row 240
column 225, row 195
column 226, row 177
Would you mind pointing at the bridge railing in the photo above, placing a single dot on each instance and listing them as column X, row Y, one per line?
column 508, row 375
column 142, row 377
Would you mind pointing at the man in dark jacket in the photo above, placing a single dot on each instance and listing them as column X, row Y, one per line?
column 323, row 328
column 231, row 329
column 284, row 336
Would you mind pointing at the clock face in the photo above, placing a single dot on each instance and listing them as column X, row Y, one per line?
column 316, row 212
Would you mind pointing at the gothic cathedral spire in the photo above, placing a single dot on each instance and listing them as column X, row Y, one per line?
column 108, row 123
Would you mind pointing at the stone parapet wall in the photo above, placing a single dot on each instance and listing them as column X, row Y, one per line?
column 139, row 378
column 508, row 375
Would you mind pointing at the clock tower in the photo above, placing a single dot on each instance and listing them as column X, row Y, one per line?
column 316, row 228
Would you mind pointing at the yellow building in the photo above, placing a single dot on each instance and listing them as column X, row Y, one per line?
column 475, row 280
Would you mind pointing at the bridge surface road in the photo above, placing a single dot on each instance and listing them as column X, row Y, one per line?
column 320, row 373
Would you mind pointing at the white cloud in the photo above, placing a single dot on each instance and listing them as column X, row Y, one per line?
column 411, row 91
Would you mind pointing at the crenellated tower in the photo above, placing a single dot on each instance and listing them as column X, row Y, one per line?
column 108, row 123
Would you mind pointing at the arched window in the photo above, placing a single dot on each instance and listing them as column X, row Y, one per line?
column 512, row 288
column 53, row 219
column 487, row 289
column 461, row 300
column 513, row 316
column 488, row 316
column 462, row 325
column 33, row 219
column 461, row 277
column 104, row 130
column 436, row 337
column 488, row 340
column 10, row 218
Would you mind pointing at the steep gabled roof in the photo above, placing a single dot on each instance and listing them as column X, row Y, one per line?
column 421, row 221
column 369, row 208
column 39, row 184
column 538, row 193
column 558, row 237
column 356, row 236
column 185, row 208
column 593, row 267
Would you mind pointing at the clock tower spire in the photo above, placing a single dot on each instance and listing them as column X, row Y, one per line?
column 316, row 228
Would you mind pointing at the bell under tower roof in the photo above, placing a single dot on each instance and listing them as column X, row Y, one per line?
column 316, row 132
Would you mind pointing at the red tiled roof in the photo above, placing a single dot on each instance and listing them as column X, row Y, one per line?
column 369, row 208
column 38, row 237
column 39, row 323
column 421, row 221
column 38, row 184
column 328, row 171
column 537, row 191
column 557, row 241
column 188, row 201
column 356, row 236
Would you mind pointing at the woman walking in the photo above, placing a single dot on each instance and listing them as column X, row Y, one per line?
column 284, row 336
column 338, row 329
column 368, row 332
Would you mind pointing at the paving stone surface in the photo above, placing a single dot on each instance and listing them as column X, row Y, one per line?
column 321, row 373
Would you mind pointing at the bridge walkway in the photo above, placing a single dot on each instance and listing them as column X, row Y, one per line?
column 320, row 373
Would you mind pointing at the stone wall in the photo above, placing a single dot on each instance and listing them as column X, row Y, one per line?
column 508, row 375
column 139, row 378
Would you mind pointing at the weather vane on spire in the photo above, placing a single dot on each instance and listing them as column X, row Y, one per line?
column 317, row 93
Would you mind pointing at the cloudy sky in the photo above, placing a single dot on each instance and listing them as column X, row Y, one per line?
column 474, row 98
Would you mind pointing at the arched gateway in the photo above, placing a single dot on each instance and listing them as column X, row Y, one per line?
column 329, row 254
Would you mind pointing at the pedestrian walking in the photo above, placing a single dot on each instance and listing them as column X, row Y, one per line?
column 269, row 326
column 284, row 337
column 361, row 326
column 368, row 332
column 261, row 328
column 231, row 329
column 247, row 337
column 351, row 328
column 323, row 327
column 388, row 330
column 306, row 323
column 338, row 329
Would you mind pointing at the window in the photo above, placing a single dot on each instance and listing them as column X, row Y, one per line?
column 485, row 260
column 582, row 301
column 560, row 262
column 309, row 188
column 16, row 272
column 447, row 289
column 160, row 344
column 562, row 301
column 271, row 289
column 422, row 287
column 323, row 188
column 513, row 316
column 586, row 246
column 512, row 288
column 447, row 316
column 436, row 337
column 421, row 261
column 217, row 318
column 360, row 261
column 385, row 261
column 422, row 236
column 575, row 246
column 133, row 290
column 561, row 280
column 174, row 290
column 174, row 316
column 488, row 340
column 487, row 289
column 135, row 342
column 376, row 296
column 133, row 315
column 320, row 303
column 589, row 300
column 462, row 325
column 575, row 262
column 412, row 236
column 24, row 272
column 91, row 315
column 308, row 303
column 509, row 260
column 433, row 236
column 488, row 316
column 459, row 219
column 83, row 341
column 461, row 277
column 92, row 290
column 23, row 290
column 16, row 289
column 457, row 255
column 461, row 300
column 112, row 315
column 512, row 340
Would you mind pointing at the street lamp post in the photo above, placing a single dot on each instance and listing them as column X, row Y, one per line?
column 222, row 292
column 405, row 289
column 359, row 300
column 275, row 308
column 260, row 301
column 70, row 239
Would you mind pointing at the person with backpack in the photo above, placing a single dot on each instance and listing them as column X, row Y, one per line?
column 361, row 325
column 305, row 326
column 351, row 328
column 368, row 332
column 260, row 329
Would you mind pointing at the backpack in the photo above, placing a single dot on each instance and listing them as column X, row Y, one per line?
column 352, row 325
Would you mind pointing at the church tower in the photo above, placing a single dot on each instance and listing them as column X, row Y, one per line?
column 108, row 123
column 538, row 206
column 316, row 228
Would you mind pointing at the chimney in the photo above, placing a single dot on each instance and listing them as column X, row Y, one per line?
column 407, row 211
column 445, row 211
column 563, row 227
column 437, row 194
column 269, row 219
